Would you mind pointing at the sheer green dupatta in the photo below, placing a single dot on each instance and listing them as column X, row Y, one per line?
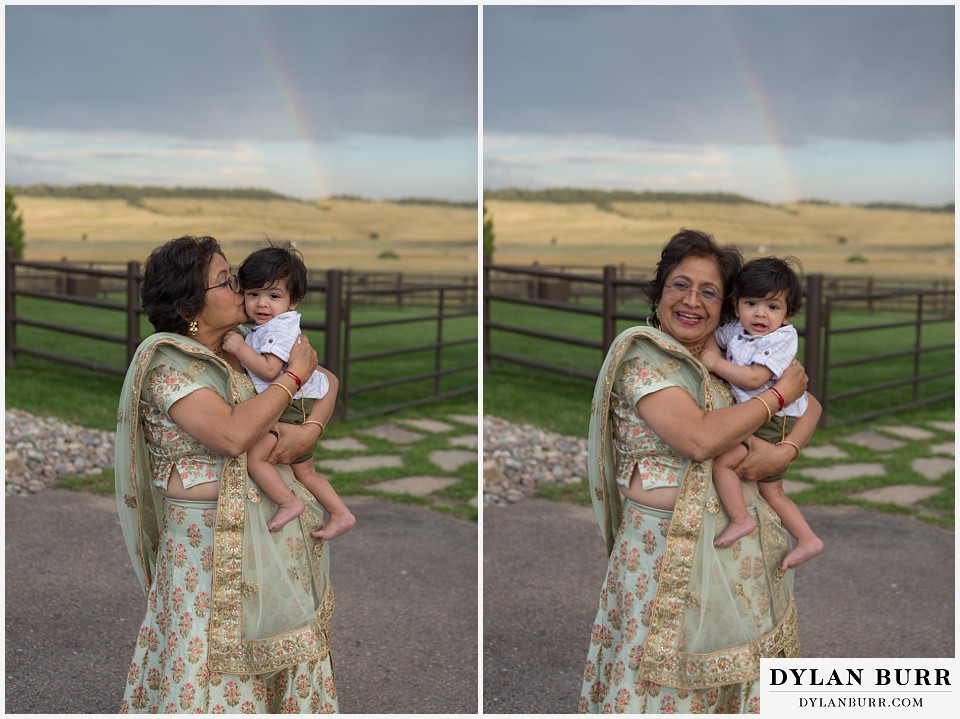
column 717, row 611
column 271, row 600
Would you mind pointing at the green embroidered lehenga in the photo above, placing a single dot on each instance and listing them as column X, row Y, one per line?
column 237, row 617
column 681, row 625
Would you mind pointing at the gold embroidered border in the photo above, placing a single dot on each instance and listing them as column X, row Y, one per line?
column 729, row 666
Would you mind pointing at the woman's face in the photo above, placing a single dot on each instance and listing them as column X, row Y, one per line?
column 222, row 308
column 692, row 298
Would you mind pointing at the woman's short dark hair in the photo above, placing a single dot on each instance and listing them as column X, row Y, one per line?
column 694, row 243
column 267, row 266
column 766, row 276
column 175, row 278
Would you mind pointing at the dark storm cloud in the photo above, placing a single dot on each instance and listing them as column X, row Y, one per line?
column 243, row 73
column 721, row 74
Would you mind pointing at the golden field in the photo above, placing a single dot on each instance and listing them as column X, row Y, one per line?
column 828, row 239
column 385, row 236
column 365, row 236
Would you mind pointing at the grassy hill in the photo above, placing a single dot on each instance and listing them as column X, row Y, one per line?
column 832, row 239
column 347, row 233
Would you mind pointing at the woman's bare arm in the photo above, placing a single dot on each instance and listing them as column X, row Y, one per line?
column 700, row 435
column 232, row 430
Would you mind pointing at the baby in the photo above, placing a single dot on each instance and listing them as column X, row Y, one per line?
column 274, row 281
column 759, row 346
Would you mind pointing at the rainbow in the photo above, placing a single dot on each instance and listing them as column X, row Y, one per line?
column 761, row 106
column 291, row 97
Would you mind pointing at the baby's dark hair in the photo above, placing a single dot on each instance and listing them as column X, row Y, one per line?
column 267, row 266
column 766, row 276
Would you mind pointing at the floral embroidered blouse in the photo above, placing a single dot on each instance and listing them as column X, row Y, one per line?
column 168, row 444
column 635, row 444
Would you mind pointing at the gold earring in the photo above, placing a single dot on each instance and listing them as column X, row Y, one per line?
column 193, row 328
column 652, row 319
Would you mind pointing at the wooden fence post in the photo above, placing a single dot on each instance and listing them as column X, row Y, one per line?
column 11, row 309
column 486, row 311
column 609, row 307
column 133, row 302
column 332, row 347
column 812, row 334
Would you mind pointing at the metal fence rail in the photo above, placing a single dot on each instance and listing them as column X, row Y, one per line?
column 411, row 296
column 603, row 295
column 89, row 286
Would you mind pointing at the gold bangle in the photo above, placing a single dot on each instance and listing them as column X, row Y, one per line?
column 792, row 444
column 760, row 400
column 313, row 421
column 289, row 393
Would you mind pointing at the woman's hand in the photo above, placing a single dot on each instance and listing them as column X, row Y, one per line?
column 303, row 358
column 792, row 383
column 293, row 441
column 764, row 459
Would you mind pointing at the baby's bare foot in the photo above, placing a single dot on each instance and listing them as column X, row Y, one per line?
column 735, row 530
column 285, row 512
column 803, row 552
column 338, row 524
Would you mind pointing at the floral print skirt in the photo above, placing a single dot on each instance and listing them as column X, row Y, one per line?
column 610, row 679
column 169, row 672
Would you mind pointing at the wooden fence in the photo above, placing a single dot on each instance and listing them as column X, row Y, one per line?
column 607, row 295
column 91, row 286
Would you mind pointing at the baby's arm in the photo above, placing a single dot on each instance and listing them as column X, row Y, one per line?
column 264, row 365
column 752, row 376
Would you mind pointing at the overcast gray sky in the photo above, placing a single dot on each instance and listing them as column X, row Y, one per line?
column 305, row 100
column 845, row 103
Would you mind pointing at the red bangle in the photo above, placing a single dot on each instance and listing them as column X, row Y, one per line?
column 300, row 384
column 779, row 397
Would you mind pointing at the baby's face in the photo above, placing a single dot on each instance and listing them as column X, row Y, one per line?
column 264, row 304
column 762, row 315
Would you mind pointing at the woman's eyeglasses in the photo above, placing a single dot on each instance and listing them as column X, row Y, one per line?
column 233, row 282
column 707, row 294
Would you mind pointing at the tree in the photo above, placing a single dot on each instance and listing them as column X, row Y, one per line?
column 487, row 234
column 14, row 225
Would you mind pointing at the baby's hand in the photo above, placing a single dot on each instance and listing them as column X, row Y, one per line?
column 233, row 342
column 711, row 354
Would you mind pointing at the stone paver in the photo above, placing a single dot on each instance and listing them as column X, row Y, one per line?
column 464, row 418
column 945, row 448
column 932, row 468
column 362, row 463
column 792, row 486
column 343, row 444
column 419, row 486
column 840, row 472
column 467, row 441
column 907, row 432
column 450, row 459
column 872, row 440
column 392, row 433
column 943, row 426
column 433, row 426
column 827, row 451
column 904, row 494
